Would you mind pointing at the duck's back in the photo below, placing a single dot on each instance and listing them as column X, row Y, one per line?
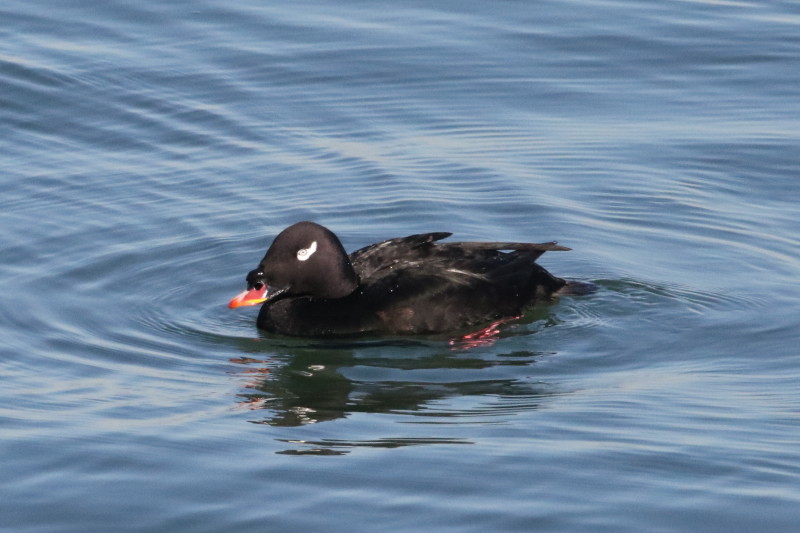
column 423, row 247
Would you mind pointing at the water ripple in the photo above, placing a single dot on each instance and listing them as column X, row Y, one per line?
column 151, row 152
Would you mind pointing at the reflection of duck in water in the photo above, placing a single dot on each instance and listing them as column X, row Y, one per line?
column 322, row 383
column 410, row 285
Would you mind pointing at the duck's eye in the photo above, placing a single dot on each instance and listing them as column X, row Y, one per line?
column 304, row 253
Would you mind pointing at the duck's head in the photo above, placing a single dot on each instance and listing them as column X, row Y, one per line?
column 305, row 259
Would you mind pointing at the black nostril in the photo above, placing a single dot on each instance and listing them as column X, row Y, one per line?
column 258, row 286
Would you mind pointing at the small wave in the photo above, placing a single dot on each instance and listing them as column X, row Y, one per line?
column 342, row 447
column 696, row 300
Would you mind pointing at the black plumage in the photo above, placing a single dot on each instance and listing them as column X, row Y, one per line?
column 407, row 285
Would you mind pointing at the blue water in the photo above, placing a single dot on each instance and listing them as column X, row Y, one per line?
column 151, row 150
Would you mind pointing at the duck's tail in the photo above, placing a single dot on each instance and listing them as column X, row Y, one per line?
column 576, row 288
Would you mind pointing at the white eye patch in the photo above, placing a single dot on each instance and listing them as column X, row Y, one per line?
column 304, row 253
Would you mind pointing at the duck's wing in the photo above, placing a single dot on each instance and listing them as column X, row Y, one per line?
column 467, row 249
column 374, row 257
column 422, row 246
column 449, row 294
column 520, row 246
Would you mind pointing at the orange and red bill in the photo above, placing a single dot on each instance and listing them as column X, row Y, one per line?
column 249, row 297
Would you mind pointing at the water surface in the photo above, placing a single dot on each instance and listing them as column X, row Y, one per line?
column 151, row 151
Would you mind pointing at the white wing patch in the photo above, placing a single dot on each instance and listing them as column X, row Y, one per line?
column 304, row 253
column 460, row 275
